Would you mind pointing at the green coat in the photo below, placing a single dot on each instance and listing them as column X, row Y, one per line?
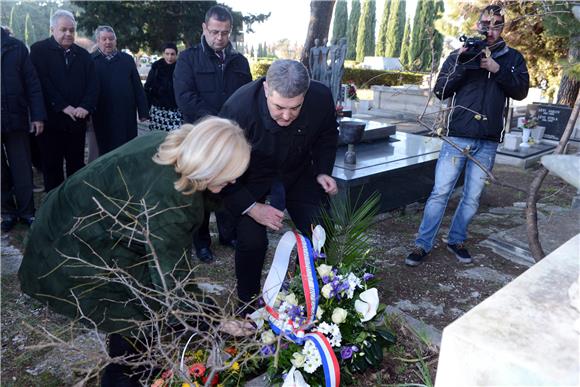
column 124, row 178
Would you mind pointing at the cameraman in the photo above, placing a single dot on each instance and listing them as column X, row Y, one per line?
column 475, row 123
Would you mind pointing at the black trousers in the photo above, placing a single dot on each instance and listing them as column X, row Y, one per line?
column 17, row 197
column 304, row 201
column 120, row 375
column 226, row 224
column 60, row 145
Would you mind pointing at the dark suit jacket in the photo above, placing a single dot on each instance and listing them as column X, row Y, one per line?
column 202, row 84
column 308, row 145
column 62, row 85
column 21, row 89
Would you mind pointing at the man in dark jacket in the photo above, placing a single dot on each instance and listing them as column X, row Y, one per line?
column 121, row 93
column 291, row 124
column 21, row 93
column 479, row 96
column 205, row 76
column 69, row 84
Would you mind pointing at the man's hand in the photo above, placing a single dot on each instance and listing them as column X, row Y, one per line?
column 267, row 216
column 80, row 112
column 70, row 111
column 37, row 127
column 490, row 65
column 328, row 184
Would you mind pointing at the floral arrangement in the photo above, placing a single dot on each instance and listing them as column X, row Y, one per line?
column 197, row 370
column 347, row 308
column 351, row 91
column 530, row 123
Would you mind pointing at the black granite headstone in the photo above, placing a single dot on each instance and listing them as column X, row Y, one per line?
column 553, row 117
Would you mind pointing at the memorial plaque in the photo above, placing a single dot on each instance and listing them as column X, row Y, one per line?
column 553, row 117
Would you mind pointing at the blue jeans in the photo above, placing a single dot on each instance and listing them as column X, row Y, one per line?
column 450, row 164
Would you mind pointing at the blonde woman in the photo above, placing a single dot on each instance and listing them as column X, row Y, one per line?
column 134, row 209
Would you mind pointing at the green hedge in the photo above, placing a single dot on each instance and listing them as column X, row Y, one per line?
column 364, row 78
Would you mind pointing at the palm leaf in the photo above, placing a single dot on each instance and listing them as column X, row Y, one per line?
column 346, row 224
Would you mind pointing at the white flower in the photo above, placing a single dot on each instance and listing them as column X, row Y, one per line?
column 339, row 315
column 326, row 291
column 368, row 304
column 353, row 283
column 319, row 312
column 268, row 337
column 259, row 316
column 332, row 333
column 298, row 359
column 295, row 379
column 325, row 271
column 313, row 360
column 318, row 238
column 291, row 299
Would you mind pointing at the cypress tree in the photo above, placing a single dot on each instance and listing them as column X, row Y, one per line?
column 365, row 41
column 382, row 39
column 352, row 30
column 417, row 45
column 396, row 29
column 423, row 32
column 406, row 45
column 340, row 22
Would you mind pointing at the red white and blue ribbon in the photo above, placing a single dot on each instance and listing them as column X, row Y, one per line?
column 287, row 326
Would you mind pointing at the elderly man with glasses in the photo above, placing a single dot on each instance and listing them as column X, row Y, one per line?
column 204, row 78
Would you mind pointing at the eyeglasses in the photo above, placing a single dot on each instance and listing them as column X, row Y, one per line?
column 215, row 33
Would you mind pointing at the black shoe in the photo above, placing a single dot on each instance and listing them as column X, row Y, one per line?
column 8, row 224
column 233, row 243
column 416, row 257
column 28, row 221
column 460, row 252
column 205, row 255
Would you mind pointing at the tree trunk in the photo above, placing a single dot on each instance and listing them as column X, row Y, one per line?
column 569, row 86
column 320, row 16
column 531, row 210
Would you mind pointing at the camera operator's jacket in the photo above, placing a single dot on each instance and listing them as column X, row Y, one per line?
column 479, row 97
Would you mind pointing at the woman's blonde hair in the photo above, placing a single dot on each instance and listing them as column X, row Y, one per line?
column 214, row 151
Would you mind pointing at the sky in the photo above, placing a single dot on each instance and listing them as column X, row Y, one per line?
column 289, row 18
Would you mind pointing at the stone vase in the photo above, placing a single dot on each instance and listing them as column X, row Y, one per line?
column 538, row 133
column 526, row 132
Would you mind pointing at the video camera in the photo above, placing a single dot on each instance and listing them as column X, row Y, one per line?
column 471, row 58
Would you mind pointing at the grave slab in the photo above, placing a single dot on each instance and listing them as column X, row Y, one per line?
column 401, row 169
column 524, row 157
column 523, row 335
column 554, row 229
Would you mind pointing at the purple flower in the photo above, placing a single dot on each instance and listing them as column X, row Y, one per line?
column 368, row 276
column 346, row 352
column 268, row 350
column 318, row 255
column 325, row 279
column 295, row 312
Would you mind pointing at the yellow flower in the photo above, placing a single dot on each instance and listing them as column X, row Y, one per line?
column 235, row 366
column 185, row 385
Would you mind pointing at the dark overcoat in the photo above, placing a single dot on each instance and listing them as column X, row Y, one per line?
column 121, row 97
column 71, row 223
column 73, row 84
column 21, row 90
column 159, row 85
column 307, row 146
column 202, row 83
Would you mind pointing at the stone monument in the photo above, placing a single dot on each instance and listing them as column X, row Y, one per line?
column 338, row 56
column 315, row 61
column 324, row 65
